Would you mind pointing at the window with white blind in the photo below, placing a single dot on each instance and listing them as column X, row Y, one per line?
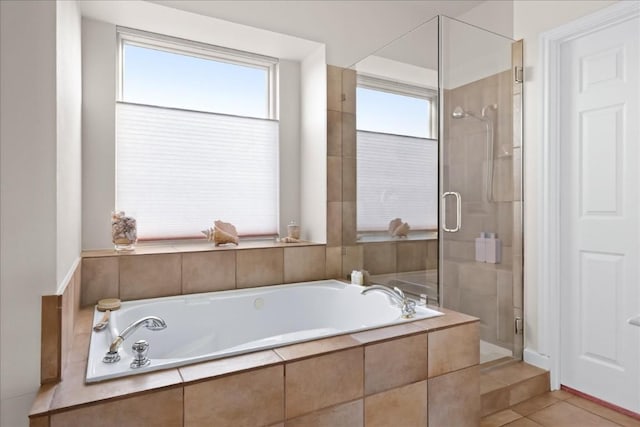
column 397, row 162
column 197, row 137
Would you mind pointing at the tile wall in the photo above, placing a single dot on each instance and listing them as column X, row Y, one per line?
column 481, row 289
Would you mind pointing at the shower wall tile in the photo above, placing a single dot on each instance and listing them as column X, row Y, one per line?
column 259, row 267
column 349, row 134
column 353, row 259
column 432, row 254
column 505, row 307
column 100, row 279
column 150, row 276
column 411, row 256
column 208, row 271
column 334, row 262
column 334, row 223
column 349, row 223
column 479, row 278
column 304, row 263
column 334, row 133
column 484, row 308
column 503, row 180
column 334, row 179
column 334, row 88
column 380, row 258
column 349, row 184
column 349, row 91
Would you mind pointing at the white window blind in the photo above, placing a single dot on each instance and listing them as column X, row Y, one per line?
column 178, row 171
column 397, row 178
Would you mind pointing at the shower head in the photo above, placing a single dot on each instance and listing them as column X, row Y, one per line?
column 458, row 113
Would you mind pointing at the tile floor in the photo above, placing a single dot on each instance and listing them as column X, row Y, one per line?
column 558, row 409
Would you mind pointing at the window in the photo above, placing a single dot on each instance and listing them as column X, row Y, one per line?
column 397, row 162
column 197, row 137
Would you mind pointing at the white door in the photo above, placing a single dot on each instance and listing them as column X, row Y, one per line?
column 600, row 213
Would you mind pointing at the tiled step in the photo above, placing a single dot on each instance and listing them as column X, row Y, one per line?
column 506, row 383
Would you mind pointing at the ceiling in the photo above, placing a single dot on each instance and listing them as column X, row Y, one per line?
column 351, row 30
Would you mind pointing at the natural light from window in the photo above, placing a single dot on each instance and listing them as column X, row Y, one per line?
column 167, row 79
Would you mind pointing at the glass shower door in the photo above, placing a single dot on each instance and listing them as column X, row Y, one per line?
column 480, row 184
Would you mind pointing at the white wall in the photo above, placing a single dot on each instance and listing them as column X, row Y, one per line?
column 99, row 149
column 69, row 139
column 313, row 159
column 492, row 15
column 37, row 141
column 531, row 18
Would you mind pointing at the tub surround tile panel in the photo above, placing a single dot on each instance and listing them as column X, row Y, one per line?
column 317, row 347
column 349, row 414
column 380, row 258
column 259, row 267
column 395, row 363
column 404, row 406
column 80, row 348
column 73, row 391
column 150, row 276
column 84, row 321
column 451, row 319
column 304, row 264
column 158, row 409
column 323, row 381
column 454, row 398
column 208, row 271
column 453, row 348
column 100, row 279
column 39, row 422
column 229, row 365
column 412, row 256
column 349, row 187
column 51, row 339
column 248, row 399
column 352, row 259
column 349, row 220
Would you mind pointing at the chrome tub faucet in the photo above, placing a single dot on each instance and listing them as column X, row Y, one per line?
column 153, row 323
column 408, row 307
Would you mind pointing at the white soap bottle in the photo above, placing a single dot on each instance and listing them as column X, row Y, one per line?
column 493, row 247
column 481, row 248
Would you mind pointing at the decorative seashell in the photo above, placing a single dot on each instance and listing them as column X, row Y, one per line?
column 208, row 233
column 393, row 224
column 224, row 232
column 397, row 228
column 290, row 240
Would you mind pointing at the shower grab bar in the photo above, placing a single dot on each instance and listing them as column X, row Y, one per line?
column 458, row 211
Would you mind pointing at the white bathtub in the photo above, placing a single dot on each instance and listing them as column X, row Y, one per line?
column 219, row 324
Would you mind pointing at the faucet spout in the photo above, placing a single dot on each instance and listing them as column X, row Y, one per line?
column 396, row 294
column 153, row 323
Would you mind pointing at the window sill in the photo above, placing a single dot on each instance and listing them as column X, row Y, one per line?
column 383, row 236
column 196, row 246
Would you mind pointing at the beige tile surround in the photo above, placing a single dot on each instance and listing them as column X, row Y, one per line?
column 365, row 378
column 199, row 268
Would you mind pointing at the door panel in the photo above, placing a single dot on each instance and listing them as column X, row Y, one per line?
column 600, row 247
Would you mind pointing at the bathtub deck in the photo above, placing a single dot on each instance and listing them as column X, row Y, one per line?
column 73, row 393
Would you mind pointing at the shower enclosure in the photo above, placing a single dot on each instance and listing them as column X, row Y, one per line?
column 438, row 125
column 480, row 181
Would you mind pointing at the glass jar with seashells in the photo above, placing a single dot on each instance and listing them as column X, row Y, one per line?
column 124, row 233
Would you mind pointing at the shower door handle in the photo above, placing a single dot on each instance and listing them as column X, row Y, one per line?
column 456, row 195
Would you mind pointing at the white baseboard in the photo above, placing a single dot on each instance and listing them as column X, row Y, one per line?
column 536, row 359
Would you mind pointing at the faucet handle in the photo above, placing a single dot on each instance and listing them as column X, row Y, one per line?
column 399, row 292
column 140, row 359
